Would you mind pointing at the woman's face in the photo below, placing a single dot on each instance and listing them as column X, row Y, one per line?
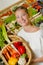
column 22, row 17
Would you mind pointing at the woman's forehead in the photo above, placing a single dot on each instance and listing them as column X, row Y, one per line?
column 19, row 11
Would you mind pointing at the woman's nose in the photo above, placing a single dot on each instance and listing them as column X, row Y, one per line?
column 23, row 19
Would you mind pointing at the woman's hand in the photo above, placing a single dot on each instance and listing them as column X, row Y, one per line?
column 34, row 60
column 37, row 60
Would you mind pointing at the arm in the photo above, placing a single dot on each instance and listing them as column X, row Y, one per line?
column 38, row 60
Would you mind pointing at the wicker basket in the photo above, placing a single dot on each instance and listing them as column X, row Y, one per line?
column 16, row 38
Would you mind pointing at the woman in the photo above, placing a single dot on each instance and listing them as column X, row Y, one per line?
column 29, row 32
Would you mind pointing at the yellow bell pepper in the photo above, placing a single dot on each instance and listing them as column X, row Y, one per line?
column 12, row 61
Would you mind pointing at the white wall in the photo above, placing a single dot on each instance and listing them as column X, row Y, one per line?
column 6, row 3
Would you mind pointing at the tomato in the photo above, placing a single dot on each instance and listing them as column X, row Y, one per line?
column 21, row 49
column 15, row 55
column 17, row 44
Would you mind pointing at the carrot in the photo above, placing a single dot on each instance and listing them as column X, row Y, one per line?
column 6, row 54
column 11, row 49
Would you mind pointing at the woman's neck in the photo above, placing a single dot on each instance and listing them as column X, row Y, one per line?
column 30, row 28
column 27, row 28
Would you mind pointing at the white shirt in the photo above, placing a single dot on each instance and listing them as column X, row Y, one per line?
column 34, row 41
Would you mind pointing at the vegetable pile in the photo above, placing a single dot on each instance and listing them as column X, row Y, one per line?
column 32, row 11
column 3, row 35
column 10, row 19
column 36, row 6
column 10, row 23
column 38, row 21
column 15, row 54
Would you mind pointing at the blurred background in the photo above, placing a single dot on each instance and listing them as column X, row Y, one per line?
column 6, row 3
